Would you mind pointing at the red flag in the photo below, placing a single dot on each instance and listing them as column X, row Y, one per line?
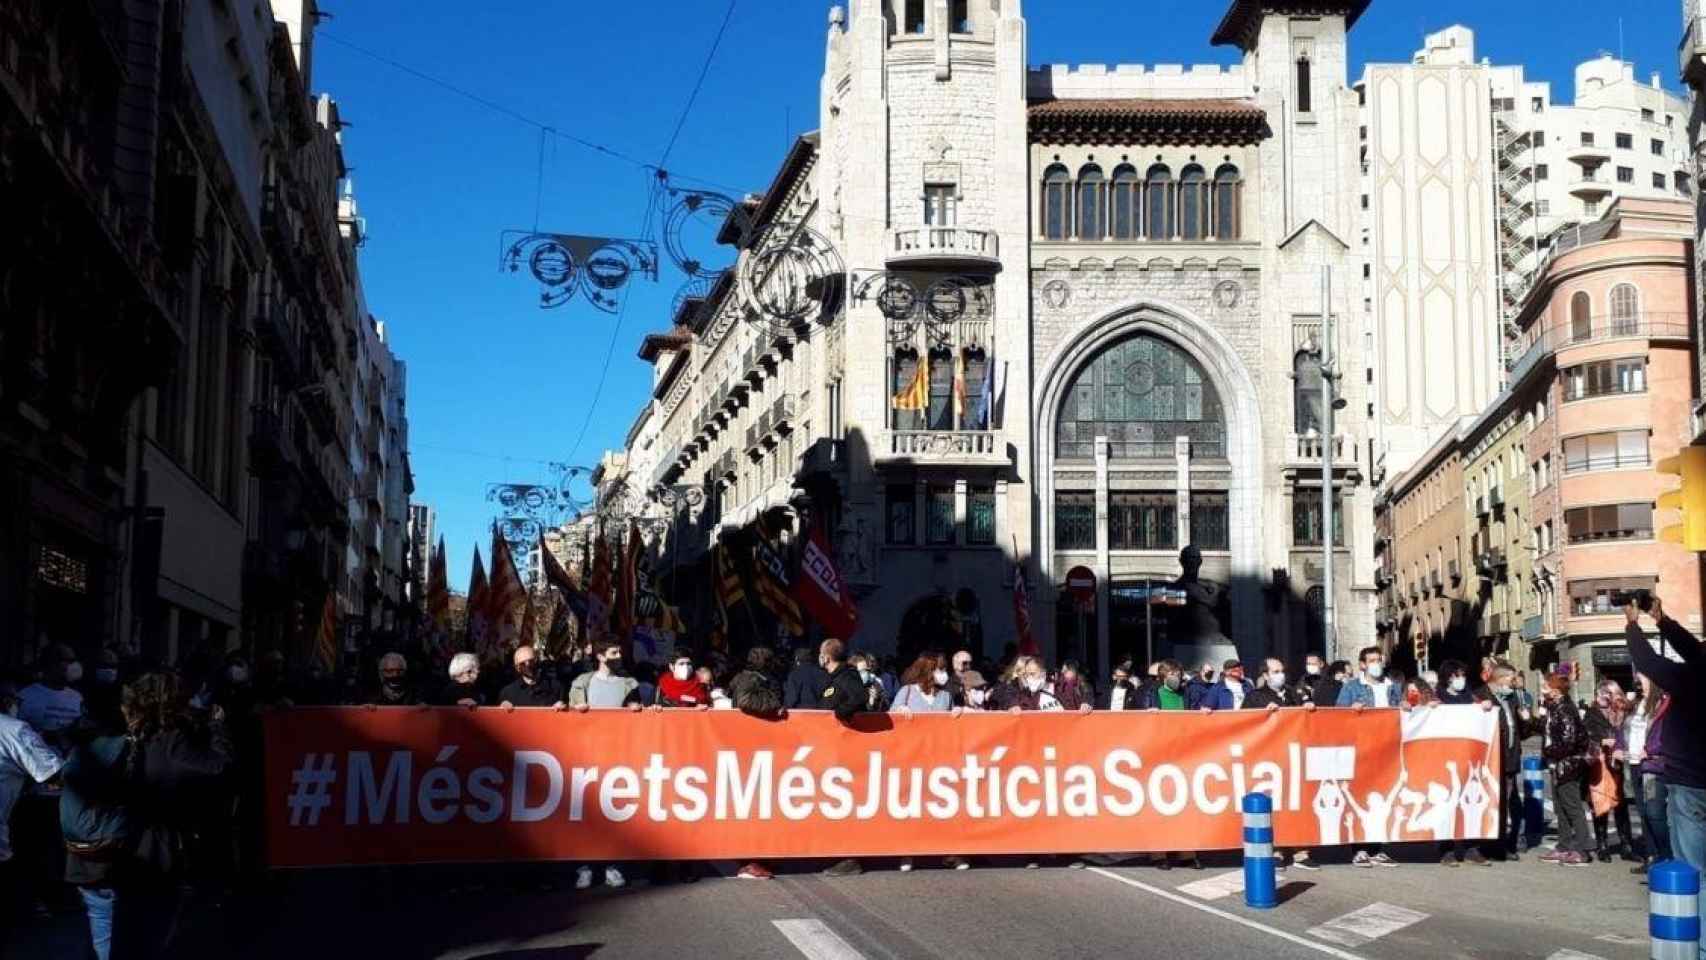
column 598, row 592
column 1022, row 611
column 558, row 577
column 821, row 591
column 623, row 618
column 438, row 601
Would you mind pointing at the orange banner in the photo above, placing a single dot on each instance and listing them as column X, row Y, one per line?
column 416, row 785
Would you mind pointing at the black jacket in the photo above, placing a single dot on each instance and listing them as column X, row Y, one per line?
column 1566, row 741
column 846, row 694
column 1105, row 699
column 1324, row 691
column 1262, row 696
column 805, row 687
column 1512, row 731
column 1683, row 746
column 454, row 692
column 544, row 692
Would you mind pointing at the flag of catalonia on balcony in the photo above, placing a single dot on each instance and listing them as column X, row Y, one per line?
column 916, row 394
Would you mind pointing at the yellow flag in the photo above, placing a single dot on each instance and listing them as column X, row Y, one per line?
column 916, row 394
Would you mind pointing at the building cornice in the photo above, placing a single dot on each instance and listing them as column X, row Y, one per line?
column 1143, row 120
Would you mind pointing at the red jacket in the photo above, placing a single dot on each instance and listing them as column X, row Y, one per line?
column 682, row 693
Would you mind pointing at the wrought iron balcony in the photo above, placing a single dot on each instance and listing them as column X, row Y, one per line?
column 922, row 246
column 962, row 448
column 1541, row 344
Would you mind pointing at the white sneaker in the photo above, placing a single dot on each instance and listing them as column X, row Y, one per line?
column 905, row 864
column 613, row 878
column 1362, row 859
column 583, row 878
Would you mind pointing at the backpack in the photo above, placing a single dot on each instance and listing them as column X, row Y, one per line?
column 95, row 813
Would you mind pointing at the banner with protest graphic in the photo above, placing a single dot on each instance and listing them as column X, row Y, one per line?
column 413, row 785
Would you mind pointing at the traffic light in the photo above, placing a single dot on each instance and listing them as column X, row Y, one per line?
column 1690, row 498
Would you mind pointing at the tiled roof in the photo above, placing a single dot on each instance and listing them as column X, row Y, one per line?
column 1146, row 120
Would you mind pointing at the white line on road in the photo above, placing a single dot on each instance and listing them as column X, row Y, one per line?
column 1214, row 888
column 1222, row 914
column 1573, row 955
column 814, row 939
column 1370, row 923
column 1622, row 941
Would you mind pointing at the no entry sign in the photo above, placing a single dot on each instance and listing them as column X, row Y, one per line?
column 1081, row 583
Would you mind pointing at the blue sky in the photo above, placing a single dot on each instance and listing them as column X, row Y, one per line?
column 497, row 386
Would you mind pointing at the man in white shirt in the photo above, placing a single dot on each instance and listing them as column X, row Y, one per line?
column 24, row 757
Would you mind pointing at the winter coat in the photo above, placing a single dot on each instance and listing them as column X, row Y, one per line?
column 1263, row 696
column 805, row 687
column 756, row 694
column 1075, row 695
column 1566, row 742
column 846, row 695
column 1219, row 696
column 1104, row 700
column 543, row 692
column 1007, row 695
column 1681, row 751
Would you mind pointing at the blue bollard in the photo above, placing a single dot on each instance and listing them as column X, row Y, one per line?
column 1673, row 917
column 1533, row 799
column 1259, row 864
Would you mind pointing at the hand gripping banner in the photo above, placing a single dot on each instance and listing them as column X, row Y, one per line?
column 420, row 785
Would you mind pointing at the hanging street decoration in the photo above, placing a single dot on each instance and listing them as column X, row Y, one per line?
column 790, row 277
column 597, row 268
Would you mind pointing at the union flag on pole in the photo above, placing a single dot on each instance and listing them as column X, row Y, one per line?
column 821, row 591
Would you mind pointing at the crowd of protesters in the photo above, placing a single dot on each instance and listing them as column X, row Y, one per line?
column 126, row 787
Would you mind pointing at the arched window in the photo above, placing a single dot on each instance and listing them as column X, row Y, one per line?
column 1057, row 203
column 1307, row 392
column 1092, row 204
column 1228, row 202
column 1125, row 196
column 941, row 412
column 976, row 397
column 1625, row 310
column 1581, row 318
column 1193, row 203
column 1158, row 203
column 1141, row 393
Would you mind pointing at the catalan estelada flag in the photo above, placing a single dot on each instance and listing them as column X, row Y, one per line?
column 916, row 394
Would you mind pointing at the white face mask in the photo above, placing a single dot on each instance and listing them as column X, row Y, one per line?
column 73, row 672
column 864, row 675
column 1034, row 684
column 1313, row 669
column 682, row 671
column 1276, row 681
column 940, row 677
column 1375, row 670
column 1458, row 683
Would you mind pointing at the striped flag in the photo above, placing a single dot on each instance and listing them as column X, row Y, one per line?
column 507, row 603
column 771, row 581
column 326, row 635
column 557, row 576
column 728, row 594
column 916, row 394
column 598, row 592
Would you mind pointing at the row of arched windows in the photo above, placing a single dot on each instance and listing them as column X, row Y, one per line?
column 1121, row 206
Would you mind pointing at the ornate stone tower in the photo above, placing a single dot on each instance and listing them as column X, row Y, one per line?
column 923, row 185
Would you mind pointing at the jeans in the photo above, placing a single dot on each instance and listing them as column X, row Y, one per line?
column 98, row 902
column 1568, row 803
column 1688, row 834
column 1653, row 795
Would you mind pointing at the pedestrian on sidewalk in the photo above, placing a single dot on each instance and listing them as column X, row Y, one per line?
column 1683, row 743
column 1644, row 736
column 1566, row 755
column 1604, row 721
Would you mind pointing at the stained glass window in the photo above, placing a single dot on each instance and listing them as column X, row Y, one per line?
column 1141, row 393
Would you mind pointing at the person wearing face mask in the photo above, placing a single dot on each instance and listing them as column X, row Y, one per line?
column 52, row 705
column 1024, row 688
column 1198, row 685
column 464, row 687
column 1566, row 745
column 533, row 685
column 683, row 686
column 1453, row 685
column 1604, row 721
column 876, row 700
column 1167, row 691
column 1372, row 687
column 1231, row 692
column 924, row 689
column 1514, row 727
column 847, row 696
column 607, row 687
column 966, row 683
column 1314, row 671
column 1122, row 693
column 394, row 689
column 1272, row 691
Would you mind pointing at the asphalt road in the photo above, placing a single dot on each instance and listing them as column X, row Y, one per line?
column 1417, row 910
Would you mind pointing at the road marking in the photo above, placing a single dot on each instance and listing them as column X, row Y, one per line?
column 1222, row 914
column 1215, row 888
column 1622, row 941
column 814, row 939
column 1370, row 923
column 1573, row 955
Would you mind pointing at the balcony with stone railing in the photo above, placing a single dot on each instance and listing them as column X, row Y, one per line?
column 943, row 448
column 943, row 246
column 1309, row 450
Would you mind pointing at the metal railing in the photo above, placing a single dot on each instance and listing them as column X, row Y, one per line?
column 1543, row 343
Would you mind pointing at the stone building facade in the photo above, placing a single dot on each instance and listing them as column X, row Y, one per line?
column 1132, row 259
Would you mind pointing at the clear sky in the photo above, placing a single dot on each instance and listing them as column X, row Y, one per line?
column 497, row 387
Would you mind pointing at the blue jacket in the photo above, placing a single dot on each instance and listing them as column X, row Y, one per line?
column 1219, row 696
column 1355, row 691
